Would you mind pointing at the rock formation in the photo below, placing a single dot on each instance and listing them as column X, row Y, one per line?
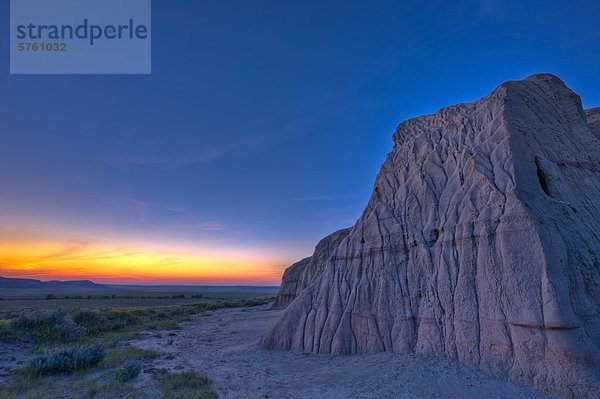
column 480, row 242
column 304, row 272
column 593, row 119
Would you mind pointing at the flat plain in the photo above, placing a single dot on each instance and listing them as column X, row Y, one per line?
column 78, row 345
column 158, row 344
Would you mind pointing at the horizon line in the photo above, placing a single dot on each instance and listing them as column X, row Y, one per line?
column 150, row 284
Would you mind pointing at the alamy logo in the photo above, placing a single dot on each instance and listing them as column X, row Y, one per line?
column 80, row 36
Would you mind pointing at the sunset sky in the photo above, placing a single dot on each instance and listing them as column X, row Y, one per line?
column 259, row 131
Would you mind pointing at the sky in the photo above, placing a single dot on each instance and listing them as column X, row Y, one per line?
column 259, row 131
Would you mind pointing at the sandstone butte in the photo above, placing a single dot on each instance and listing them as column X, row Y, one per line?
column 480, row 243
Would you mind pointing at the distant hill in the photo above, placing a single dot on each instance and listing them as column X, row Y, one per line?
column 26, row 283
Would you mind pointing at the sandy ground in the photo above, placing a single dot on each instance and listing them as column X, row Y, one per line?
column 11, row 357
column 223, row 345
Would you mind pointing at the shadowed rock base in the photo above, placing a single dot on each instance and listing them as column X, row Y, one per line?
column 481, row 242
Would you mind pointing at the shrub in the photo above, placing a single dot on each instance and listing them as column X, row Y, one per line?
column 119, row 319
column 68, row 331
column 66, row 360
column 118, row 324
column 41, row 320
column 42, row 327
column 130, row 369
column 93, row 321
column 6, row 334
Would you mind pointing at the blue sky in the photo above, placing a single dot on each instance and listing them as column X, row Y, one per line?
column 263, row 123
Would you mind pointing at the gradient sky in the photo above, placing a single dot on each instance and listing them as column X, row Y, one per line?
column 260, row 130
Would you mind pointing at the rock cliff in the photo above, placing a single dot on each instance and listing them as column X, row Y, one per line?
column 480, row 242
column 593, row 119
column 304, row 272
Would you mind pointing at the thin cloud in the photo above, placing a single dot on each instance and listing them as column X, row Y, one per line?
column 70, row 248
column 128, row 203
column 170, row 261
column 123, row 161
column 48, row 265
column 201, row 226
column 324, row 198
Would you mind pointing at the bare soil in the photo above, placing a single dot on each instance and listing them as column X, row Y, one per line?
column 12, row 356
column 223, row 345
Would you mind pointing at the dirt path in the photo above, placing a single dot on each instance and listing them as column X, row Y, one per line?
column 11, row 357
column 223, row 345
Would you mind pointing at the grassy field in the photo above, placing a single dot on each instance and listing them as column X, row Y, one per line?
column 126, row 297
column 80, row 348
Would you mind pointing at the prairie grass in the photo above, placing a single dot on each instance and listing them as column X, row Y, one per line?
column 130, row 369
column 115, row 358
column 184, row 385
column 86, row 353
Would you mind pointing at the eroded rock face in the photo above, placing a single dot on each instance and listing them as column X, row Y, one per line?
column 481, row 242
column 303, row 273
column 593, row 119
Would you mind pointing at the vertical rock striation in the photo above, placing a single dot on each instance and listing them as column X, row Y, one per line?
column 480, row 242
column 593, row 120
column 304, row 272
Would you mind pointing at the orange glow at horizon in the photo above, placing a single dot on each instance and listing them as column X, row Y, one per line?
column 105, row 264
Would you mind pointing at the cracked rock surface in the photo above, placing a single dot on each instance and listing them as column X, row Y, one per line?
column 480, row 243
column 303, row 273
column 593, row 119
